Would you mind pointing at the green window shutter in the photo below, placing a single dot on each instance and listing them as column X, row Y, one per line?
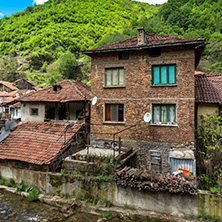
column 156, row 75
column 172, row 74
column 163, row 74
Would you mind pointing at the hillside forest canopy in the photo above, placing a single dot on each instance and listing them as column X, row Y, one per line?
column 44, row 42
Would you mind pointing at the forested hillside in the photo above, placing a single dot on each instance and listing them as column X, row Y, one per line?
column 44, row 42
column 39, row 43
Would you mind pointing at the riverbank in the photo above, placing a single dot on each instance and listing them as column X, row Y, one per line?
column 69, row 207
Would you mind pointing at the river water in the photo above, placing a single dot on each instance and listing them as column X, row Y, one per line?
column 15, row 208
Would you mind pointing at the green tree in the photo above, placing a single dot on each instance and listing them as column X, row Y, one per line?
column 209, row 134
column 68, row 66
column 8, row 69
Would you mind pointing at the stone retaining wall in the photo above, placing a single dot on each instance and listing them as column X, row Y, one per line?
column 92, row 188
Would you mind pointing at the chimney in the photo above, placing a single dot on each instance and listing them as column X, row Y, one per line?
column 141, row 37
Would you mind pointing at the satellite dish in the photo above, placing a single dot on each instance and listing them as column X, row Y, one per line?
column 94, row 101
column 147, row 117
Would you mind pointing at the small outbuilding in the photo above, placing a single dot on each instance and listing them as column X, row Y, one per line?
column 40, row 145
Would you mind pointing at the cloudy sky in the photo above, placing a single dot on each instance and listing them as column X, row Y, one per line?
column 7, row 8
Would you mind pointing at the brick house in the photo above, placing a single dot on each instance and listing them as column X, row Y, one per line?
column 151, row 74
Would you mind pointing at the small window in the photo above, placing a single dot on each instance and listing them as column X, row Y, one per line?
column 155, row 52
column 114, row 112
column 155, row 159
column 123, row 55
column 164, row 114
column 34, row 111
column 164, row 74
column 114, row 77
column 57, row 88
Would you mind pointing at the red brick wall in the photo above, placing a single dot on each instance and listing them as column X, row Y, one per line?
column 138, row 94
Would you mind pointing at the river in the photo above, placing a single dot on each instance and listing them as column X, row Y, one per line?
column 15, row 208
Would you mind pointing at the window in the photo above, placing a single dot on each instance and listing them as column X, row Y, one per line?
column 123, row 55
column 165, row 74
column 155, row 160
column 34, row 111
column 114, row 77
column 114, row 112
column 56, row 88
column 164, row 114
column 155, row 52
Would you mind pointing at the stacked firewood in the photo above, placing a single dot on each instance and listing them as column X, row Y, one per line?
column 155, row 181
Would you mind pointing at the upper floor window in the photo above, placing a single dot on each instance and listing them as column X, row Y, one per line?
column 123, row 55
column 164, row 74
column 114, row 112
column 114, row 77
column 164, row 114
column 155, row 52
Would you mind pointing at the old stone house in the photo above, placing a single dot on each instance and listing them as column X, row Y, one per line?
column 68, row 100
column 151, row 74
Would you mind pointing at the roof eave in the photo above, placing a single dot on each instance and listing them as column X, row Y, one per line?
column 53, row 101
column 88, row 52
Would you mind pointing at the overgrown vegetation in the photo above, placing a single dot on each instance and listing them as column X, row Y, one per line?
column 209, row 134
column 32, row 192
column 87, row 200
column 20, row 187
column 7, row 182
column 44, row 42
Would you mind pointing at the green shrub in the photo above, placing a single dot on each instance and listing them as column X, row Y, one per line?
column 9, row 183
column 65, row 195
column 207, row 182
column 108, row 203
column 214, row 190
column 20, row 187
column 33, row 195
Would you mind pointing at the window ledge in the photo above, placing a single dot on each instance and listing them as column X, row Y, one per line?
column 171, row 125
column 114, row 123
column 164, row 85
column 108, row 87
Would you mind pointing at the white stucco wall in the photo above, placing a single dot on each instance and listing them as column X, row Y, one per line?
column 73, row 107
column 26, row 112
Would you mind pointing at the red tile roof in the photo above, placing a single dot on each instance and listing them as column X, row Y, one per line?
column 70, row 90
column 8, row 97
column 36, row 143
column 152, row 40
column 208, row 88
column 9, row 85
column 18, row 80
column 16, row 105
